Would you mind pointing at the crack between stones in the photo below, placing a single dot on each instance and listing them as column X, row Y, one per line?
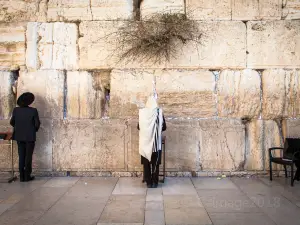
column 90, row 5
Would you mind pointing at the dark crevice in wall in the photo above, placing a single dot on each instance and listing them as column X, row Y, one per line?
column 14, row 85
column 65, row 111
column 137, row 9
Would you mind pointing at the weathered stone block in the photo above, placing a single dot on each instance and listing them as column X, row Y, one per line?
column 255, row 151
column 151, row 7
column 133, row 156
column 273, row 137
column 280, row 94
column 85, row 95
column 256, row 10
column 129, row 91
column 99, row 50
column 7, row 98
column 5, row 151
column 209, row 10
column 52, row 46
column 112, row 9
column 182, row 145
column 186, row 93
column 291, row 9
column 223, row 46
column 292, row 128
column 74, row 10
column 273, row 44
column 42, row 155
column 12, row 46
column 239, row 94
column 48, row 88
column 222, row 145
column 181, row 93
column 81, row 145
column 23, row 10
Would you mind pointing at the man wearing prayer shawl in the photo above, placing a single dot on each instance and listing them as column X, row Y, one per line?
column 151, row 124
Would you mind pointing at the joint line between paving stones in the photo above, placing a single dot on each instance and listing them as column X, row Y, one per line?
column 201, row 201
column 107, row 201
column 254, row 202
column 54, row 202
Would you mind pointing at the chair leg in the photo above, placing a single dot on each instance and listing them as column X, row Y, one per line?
column 270, row 170
column 292, row 175
column 285, row 171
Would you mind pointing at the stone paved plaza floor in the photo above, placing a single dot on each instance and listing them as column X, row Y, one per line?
column 126, row 201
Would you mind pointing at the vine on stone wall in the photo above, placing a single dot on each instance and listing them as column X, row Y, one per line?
column 156, row 39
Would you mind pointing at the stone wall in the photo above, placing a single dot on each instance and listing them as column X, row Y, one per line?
column 226, row 100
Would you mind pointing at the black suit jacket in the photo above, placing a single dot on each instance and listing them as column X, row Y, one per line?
column 26, row 123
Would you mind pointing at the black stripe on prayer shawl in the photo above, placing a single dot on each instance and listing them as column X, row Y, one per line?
column 155, row 144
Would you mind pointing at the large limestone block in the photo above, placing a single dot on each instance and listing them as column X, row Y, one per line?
column 281, row 94
column 112, row 9
column 23, row 10
column 254, row 145
column 48, row 88
column 186, row 93
column 74, row 10
column 222, row 145
column 71, row 10
column 239, row 94
column 42, row 155
column 133, row 156
column 5, row 151
column 291, row 9
column 292, row 128
column 12, row 46
column 208, row 10
column 223, row 45
column 100, row 50
column 273, row 137
column 52, row 46
column 256, row 10
column 80, row 145
column 85, row 95
column 183, row 145
column 274, row 44
column 129, row 91
column 151, row 7
column 7, row 97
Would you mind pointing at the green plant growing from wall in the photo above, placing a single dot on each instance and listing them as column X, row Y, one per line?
column 156, row 39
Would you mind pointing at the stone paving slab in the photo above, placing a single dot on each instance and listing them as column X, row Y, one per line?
column 122, row 208
column 240, row 219
column 127, row 201
column 130, row 186
column 227, row 201
column 178, row 186
column 75, row 210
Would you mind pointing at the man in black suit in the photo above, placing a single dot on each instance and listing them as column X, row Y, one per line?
column 26, row 123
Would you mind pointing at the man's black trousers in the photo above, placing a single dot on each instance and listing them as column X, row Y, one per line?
column 25, row 150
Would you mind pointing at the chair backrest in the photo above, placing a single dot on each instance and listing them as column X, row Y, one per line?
column 291, row 145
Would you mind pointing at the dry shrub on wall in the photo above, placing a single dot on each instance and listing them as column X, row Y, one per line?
column 156, row 39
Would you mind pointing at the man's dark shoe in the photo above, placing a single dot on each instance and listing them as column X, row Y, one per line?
column 155, row 185
column 29, row 178
column 22, row 177
column 149, row 185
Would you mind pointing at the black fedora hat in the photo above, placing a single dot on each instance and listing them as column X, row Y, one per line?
column 25, row 99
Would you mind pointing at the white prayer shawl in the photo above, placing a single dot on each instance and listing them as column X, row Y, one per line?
column 148, row 129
